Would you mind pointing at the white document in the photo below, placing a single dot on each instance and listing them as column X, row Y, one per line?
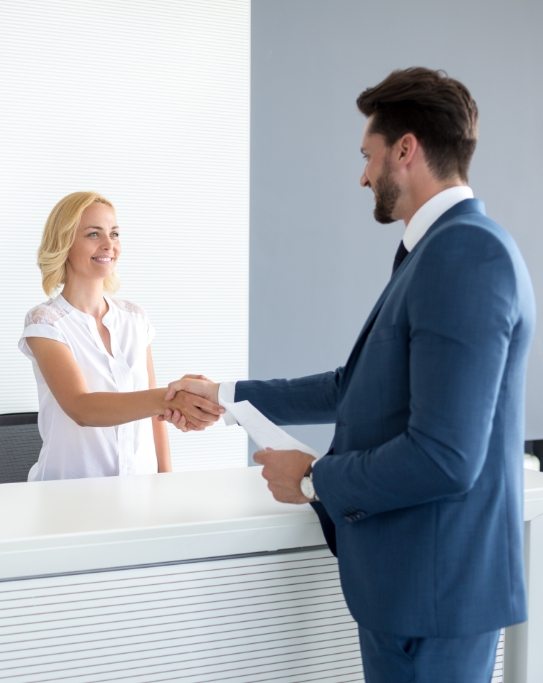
column 262, row 431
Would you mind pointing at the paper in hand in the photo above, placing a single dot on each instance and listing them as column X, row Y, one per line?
column 264, row 432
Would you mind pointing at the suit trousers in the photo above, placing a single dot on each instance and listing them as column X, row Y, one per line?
column 399, row 659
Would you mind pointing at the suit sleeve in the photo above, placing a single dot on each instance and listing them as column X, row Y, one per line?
column 305, row 400
column 462, row 305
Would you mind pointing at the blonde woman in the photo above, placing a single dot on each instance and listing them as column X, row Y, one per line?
column 91, row 356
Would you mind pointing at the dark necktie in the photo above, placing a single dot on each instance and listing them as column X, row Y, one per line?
column 401, row 253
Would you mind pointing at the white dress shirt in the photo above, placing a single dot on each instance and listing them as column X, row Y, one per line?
column 70, row 451
column 420, row 222
column 425, row 216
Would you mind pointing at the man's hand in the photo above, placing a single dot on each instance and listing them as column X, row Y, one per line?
column 200, row 387
column 195, row 384
column 197, row 412
column 284, row 470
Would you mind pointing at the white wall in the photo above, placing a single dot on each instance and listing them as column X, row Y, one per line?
column 147, row 103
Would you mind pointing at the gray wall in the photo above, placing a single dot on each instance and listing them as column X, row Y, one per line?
column 318, row 258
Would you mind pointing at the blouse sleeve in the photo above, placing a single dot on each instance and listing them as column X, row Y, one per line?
column 40, row 322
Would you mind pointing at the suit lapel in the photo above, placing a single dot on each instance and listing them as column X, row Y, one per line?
column 450, row 216
column 368, row 326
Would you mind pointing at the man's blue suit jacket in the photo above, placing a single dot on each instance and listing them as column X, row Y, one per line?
column 422, row 490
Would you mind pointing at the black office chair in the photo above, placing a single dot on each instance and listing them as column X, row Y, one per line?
column 20, row 445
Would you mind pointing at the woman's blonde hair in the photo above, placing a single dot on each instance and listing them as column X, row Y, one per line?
column 58, row 238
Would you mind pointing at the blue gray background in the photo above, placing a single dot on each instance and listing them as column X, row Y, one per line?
column 318, row 259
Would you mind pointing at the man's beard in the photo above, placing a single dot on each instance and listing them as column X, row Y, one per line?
column 386, row 196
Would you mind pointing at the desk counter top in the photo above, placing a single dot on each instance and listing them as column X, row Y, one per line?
column 92, row 524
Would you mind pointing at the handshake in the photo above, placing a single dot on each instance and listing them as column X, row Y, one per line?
column 192, row 403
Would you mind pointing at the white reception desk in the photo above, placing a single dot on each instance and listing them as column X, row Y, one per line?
column 193, row 577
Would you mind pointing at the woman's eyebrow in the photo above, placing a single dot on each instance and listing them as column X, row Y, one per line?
column 99, row 227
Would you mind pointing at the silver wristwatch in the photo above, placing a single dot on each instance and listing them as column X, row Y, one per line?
column 306, row 485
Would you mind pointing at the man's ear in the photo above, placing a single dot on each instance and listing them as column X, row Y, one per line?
column 406, row 147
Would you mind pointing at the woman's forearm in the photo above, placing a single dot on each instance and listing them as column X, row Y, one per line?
column 162, row 446
column 106, row 409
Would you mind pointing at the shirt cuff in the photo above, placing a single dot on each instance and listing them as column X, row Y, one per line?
column 227, row 394
column 313, row 463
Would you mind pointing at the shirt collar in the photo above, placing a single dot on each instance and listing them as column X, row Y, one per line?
column 430, row 211
column 67, row 306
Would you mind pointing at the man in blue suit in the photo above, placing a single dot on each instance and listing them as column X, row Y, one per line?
column 420, row 494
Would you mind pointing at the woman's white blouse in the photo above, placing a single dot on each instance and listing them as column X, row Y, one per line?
column 70, row 451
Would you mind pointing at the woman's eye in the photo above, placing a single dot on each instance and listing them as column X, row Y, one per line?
column 92, row 234
column 115, row 235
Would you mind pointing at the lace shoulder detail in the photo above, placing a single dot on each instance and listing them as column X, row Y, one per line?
column 129, row 307
column 44, row 314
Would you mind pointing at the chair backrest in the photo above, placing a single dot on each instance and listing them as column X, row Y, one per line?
column 20, row 445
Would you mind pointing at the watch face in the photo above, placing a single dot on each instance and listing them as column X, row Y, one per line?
column 307, row 488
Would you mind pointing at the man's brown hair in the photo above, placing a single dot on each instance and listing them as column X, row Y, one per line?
column 439, row 111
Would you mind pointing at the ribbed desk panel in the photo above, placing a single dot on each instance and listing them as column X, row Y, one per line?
column 277, row 617
column 498, row 667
